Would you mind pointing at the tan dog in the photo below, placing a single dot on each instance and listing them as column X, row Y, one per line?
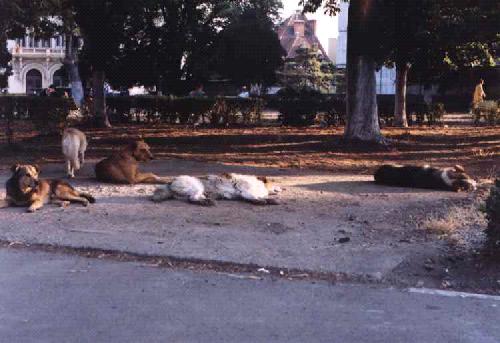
column 24, row 188
column 122, row 167
column 74, row 144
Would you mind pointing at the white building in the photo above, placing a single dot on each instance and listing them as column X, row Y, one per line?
column 386, row 77
column 332, row 50
column 36, row 64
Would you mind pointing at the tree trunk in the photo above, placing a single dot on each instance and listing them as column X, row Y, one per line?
column 400, row 118
column 362, row 112
column 100, row 112
column 71, row 64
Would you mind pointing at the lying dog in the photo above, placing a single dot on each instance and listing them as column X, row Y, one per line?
column 24, row 188
column 205, row 190
column 122, row 167
column 450, row 179
column 74, row 144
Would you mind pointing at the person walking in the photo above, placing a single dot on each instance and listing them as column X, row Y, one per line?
column 479, row 94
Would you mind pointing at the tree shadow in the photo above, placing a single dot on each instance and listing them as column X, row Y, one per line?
column 362, row 187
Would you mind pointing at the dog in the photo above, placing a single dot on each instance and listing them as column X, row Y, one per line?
column 206, row 190
column 74, row 144
column 449, row 179
column 122, row 167
column 25, row 188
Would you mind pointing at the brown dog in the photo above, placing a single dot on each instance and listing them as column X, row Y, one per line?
column 122, row 167
column 24, row 188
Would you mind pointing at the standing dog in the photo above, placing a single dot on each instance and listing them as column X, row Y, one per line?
column 122, row 167
column 74, row 144
column 450, row 179
column 205, row 190
column 24, row 188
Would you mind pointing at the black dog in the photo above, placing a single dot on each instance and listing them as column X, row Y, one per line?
column 450, row 179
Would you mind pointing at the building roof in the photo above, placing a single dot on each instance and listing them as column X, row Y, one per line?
column 299, row 32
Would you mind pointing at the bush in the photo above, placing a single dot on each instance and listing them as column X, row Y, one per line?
column 436, row 114
column 487, row 110
column 299, row 108
column 48, row 114
column 493, row 211
column 186, row 110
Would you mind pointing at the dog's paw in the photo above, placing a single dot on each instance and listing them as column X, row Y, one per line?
column 31, row 210
column 65, row 204
column 85, row 203
column 208, row 202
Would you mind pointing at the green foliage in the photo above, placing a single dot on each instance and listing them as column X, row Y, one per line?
column 249, row 50
column 307, row 71
column 220, row 111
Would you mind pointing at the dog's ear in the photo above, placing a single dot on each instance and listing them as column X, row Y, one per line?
column 459, row 168
column 15, row 168
column 37, row 168
column 263, row 179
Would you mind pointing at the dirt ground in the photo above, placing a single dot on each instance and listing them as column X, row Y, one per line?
column 333, row 218
column 477, row 148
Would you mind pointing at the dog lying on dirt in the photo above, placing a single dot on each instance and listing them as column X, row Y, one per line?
column 74, row 144
column 122, row 167
column 450, row 179
column 24, row 188
column 206, row 190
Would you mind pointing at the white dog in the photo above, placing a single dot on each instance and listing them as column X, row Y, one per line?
column 74, row 144
column 205, row 190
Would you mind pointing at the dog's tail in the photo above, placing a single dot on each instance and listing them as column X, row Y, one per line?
column 89, row 197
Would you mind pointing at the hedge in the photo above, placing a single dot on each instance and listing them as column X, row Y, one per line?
column 47, row 113
column 188, row 110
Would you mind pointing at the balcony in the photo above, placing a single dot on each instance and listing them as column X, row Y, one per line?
column 37, row 52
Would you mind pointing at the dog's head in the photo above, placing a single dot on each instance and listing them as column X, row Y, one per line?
column 26, row 176
column 141, row 151
column 271, row 187
column 458, row 179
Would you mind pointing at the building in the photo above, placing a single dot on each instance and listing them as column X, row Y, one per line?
column 36, row 64
column 386, row 77
column 332, row 50
column 299, row 32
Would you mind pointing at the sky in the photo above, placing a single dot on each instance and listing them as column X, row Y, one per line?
column 327, row 26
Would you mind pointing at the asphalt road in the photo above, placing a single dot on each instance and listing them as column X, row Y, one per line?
column 61, row 298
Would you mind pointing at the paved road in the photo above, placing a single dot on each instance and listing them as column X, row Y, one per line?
column 61, row 298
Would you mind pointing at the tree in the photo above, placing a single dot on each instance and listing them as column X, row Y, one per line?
column 168, row 41
column 249, row 50
column 67, row 27
column 102, row 27
column 364, row 53
column 405, row 36
column 432, row 37
column 11, row 15
column 307, row 70
column 5, row 57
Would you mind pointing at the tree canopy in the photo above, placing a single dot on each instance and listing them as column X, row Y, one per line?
column 249, row 50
